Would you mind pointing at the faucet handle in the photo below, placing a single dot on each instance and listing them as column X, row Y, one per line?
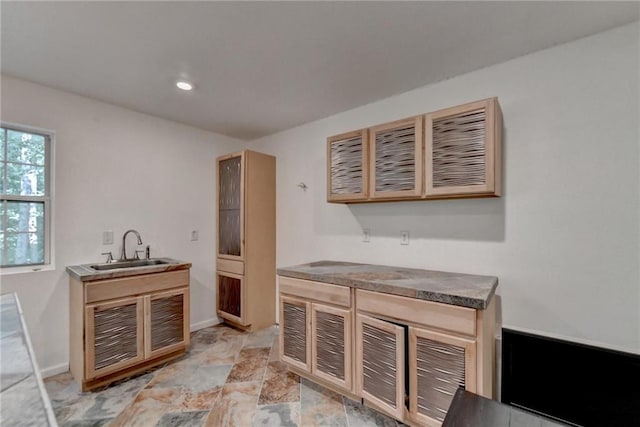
column 136, row 255
column 109, row 257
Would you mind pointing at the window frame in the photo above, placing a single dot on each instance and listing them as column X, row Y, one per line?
column 46, row 199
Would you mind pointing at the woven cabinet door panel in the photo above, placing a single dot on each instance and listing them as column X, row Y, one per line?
column 114, row 336
column 439, row 365
column 295, row 340
column 381, row 364
column 396, row 159
column 167, row 321
column 462, row 150
column 347, row 170
column 331, row 347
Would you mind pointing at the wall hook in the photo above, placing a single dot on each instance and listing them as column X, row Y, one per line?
column 303, row 186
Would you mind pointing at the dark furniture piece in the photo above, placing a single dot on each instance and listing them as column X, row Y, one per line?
column 471, row 410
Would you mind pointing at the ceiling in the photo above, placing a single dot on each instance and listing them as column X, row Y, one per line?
column 261, row 67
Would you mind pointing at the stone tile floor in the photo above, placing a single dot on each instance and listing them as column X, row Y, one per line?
column 228, row 378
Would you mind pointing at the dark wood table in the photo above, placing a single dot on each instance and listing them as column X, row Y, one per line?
column 471, row 410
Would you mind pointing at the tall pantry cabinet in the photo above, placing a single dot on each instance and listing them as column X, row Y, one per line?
column 245, row 277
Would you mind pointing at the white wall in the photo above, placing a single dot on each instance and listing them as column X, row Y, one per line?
column 115, row 169
column 563, row 239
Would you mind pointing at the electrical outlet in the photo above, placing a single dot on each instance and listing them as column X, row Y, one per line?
column 366, row 235
column 194, row 235
column 107, row 237
column 404, row 237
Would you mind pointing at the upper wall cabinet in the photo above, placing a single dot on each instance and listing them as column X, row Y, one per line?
column 462, row 150
column 396, row 159
column 451, row 153
column 347, row 177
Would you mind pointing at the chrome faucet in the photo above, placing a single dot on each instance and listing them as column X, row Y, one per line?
column 123, row 255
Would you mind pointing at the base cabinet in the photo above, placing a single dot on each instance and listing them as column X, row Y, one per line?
column 381, row 364
column 404, row 357
column 122, row 326
column 331, row 344
column 438, row 364
column 316, row 330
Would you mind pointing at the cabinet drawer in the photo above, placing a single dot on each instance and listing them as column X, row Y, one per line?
column 230, row 266
column 135, row 285
column 324, row 292
column 442, row 316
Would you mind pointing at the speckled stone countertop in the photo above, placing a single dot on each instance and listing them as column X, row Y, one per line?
column 86, row 273
column 465, row 290
column 23, row 397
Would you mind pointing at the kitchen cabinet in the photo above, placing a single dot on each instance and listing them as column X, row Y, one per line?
column 434, row 344
column 439, row 364
column 355, row 329
column 396, row 159
column 381, row 364
column 463, row 150
column 125, row 325
column 316, row 331
column 348, row 166
column 451, row 153
column 245, row 279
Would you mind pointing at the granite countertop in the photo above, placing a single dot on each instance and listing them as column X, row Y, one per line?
column 23, row 397
column 460, row 289
column 86, row 273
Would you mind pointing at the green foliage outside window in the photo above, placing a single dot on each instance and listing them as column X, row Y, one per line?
column 23, row 188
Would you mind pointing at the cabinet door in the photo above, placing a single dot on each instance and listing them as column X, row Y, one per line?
column 347, row 166
column 295, row 332
column 331, row 344
column 231, row 297
column 396, row 159
column 438, row 365
column 462, row 150
column 166, row 322
column 380, row 364
column 231, row 206
column 114, row 336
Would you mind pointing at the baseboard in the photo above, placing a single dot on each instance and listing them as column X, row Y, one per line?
column 54, row 370
column 204, row 324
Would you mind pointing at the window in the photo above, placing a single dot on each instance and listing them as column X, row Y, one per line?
column 25, row 202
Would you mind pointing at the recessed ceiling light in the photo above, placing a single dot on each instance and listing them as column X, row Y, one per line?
column 184, row 85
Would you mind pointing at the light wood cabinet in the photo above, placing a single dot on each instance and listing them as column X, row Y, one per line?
column 295, row 332
column 348, row 166
column 122, row 326
column 451, row 153
column 316, row 330
column 396, row 159
column 446, row 347
column 245, row 279
column 331, row 344
column 403, row 356
column 463, row 150
column 381, row 364
column 439, row 363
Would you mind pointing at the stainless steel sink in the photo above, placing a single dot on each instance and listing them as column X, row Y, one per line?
column 129, row 264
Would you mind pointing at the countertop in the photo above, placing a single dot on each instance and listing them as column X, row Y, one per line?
column 460, row 289
column 23, row 397
column 85, row 273
column 471, row 410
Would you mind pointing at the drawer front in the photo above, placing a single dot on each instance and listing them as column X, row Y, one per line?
column 230, row 266
column 324, row 292
column 134, row 285
column 442, row 316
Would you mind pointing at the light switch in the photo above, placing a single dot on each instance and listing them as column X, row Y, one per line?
column 366, row 235
column 194, row 235
column 107, row 237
